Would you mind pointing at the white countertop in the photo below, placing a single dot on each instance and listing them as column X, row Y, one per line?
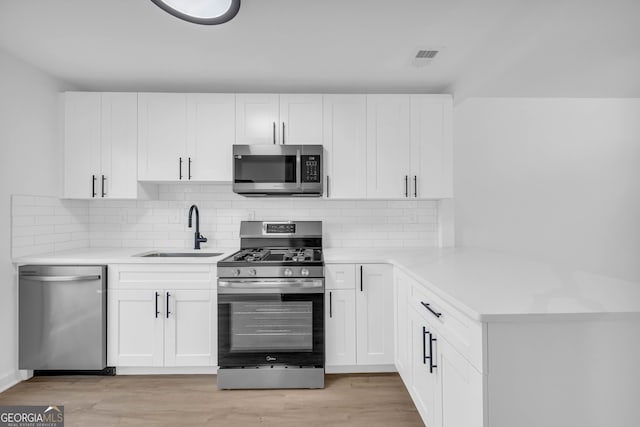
column 493, row 286
column 123, row 256
column 487, row 286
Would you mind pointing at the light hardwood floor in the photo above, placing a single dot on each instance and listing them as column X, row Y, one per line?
column 194, row 400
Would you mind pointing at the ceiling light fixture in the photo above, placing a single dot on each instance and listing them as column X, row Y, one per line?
column 205, row 12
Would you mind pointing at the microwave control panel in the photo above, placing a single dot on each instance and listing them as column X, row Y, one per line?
column 311, row 170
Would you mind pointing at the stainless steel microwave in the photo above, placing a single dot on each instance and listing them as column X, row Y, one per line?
column 277, row 170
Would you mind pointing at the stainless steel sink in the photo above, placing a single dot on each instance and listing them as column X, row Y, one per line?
column 180, row 254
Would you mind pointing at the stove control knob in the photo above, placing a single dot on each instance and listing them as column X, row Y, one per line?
column 252, row 272
column 236, row 272
column 304, row 272
column 288, row 272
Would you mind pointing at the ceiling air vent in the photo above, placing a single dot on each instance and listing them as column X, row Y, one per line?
column 426, row 54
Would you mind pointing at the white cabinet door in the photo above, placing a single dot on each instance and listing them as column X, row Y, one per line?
column 118, row 176
column 211, row 123
column 345, row 142
column 81, row 144
column 257, row 118
column 388, row 146
column 431, row 146
column 425, row 382
column 340, row 327
column 402, row 336
column 136, row 329
column 340, row 276
column 162, row 136
column 301, row 119
column 191, row 328
column 374, row 311
column 461, row 389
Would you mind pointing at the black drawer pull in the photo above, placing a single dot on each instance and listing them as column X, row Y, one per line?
column 431, row 364
column 428, row 307
column 330, row 305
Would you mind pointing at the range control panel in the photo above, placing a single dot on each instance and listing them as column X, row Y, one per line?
column 280, row 228
column 311, row 170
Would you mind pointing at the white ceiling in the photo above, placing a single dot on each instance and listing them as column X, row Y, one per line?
column 583, row 48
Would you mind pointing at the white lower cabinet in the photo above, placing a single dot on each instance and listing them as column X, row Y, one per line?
column 426, row 379
column 162, row 316
column 374, row 314
column 340, row 327
column 359, row 315
column 444, row 385
column 402, row 335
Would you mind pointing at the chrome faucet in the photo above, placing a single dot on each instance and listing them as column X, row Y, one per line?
column 198, row 238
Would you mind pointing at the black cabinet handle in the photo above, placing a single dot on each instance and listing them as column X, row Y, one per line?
column 415, row 185
column 424, row 345
column 330, row 305
column 189, row 168
column 168, row 312
column 282, row 133
column 406, row 186
column 180, row 166
column 93, row 186
column 431, row 364
column 274, row 132
column 361, row 274
column 104, row 178
column 157, row 312
column 428, row 307
column 327, row 186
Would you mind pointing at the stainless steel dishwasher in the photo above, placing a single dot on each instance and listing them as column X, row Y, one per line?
column 63, row 318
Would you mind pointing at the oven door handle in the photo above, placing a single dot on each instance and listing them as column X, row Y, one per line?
column 271, row 286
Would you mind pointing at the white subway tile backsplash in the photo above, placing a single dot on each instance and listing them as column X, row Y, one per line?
column 46, row 224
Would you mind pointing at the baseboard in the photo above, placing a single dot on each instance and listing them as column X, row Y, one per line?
column 359, row 369
column 184, row 370
column 9, row 380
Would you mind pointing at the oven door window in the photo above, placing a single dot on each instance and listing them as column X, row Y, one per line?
column 265, row 169
column 275, row 326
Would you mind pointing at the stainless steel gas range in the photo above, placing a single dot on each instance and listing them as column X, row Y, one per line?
column 271, row 308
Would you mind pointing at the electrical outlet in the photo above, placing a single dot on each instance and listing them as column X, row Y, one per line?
column 251, row 215
column 174, row 218
column 413, row 217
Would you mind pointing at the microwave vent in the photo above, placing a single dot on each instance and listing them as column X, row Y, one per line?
column 426, row 54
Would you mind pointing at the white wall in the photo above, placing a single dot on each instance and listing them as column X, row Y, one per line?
column 30, row 163
column 557, row 179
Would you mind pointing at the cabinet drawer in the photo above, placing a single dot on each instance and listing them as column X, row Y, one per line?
column 164, row 276
column 340, row 276
column 462, row 333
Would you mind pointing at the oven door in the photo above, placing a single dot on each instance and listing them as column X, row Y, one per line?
column 270, row 322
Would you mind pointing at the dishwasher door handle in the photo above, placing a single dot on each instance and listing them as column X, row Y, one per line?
column 61, row 278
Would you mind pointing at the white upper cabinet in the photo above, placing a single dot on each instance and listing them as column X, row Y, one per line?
column 100, row 143
column 345, row 143
column 119, row 174
column 278, row 119
column 301, row 119
column 431, row 146
column 257, row 118
column 409, row 147
column 210, row 136
column 388, row 146
column 185, row 137
column 162, row 120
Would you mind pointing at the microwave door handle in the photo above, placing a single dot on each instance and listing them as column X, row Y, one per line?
column 298, row 169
